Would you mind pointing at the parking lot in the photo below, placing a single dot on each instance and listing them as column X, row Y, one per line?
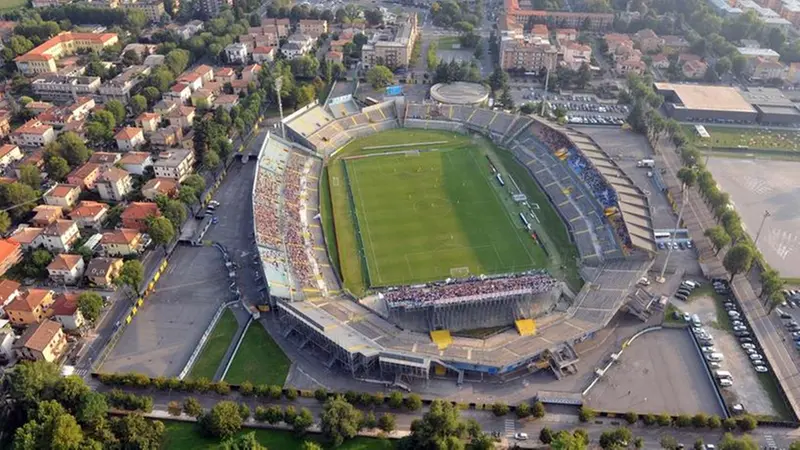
column 659, row 372
column 582, row 109
column 720, row 326
column 163, row 334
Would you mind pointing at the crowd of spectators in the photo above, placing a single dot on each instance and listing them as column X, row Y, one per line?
column 296, row 247
column 536, row 282
column 265, row 208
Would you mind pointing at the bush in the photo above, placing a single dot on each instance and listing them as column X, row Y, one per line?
column 523, row 410
column 291, row 394
column 378, row 399
column 395, row 400
column 586, row 414
column 714, row 422
column 222, row 421
column 649, row 419
column 747, row 423
column 369, row 422
column 664, row 419
column 352, row 397
column 538, row 410
column 414, row 402
column 129, row 402
column 201, row 385
column 500, row 409
column 174, row 408
column 729, row 424
column 289, row 414
column 261, row 414
column 174, row 384
column 631, row 417
column 262, row 390
column 222, row 388
column 274, row 414
column 246, row 388
column 192, row 407
column 700, row 420
column 244, row 411
column 582, row 434
column 683, row 420
column 321, row 395
column 365, row 399
column 160, row 383
column 275, row 392
column 546, row 435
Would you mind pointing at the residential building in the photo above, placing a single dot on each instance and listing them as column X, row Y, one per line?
column 179, row 93
column 240, row 86
column 793, row 75
column 530, row 55
column 627, row 66
column 182, row 116
column 250, row 73
column 338, row 45
column 28, row 237
column 10, row 254
column 34, row 158
column 66, row 268
column 676, row 44
column 297, row 45
column 578, row 20
column 226, row 101
column 765, row 69
column 32, row 307
column 152, row 9
column 225, row 75
column 137, row 214
column 119, row 87
column 63, row 195
column 43, row 58
column 660, row 61
column 136, row 162
column 33, row 134
column 160, row 186
column 191, row 79
column 166, row 138
column 114, row 184
column 148, row 121
column 102, row 271
column 105, row 160
column 312, row 27
column 205, row 71
column 51, row 86
column 37, row 108
column 263, row 54
column 89, row 214
column 211, row 8
column 190, row 29
column 60, row 235
column 236, row 53
column 122, row 242
column 154, row 60
column 576, row 54
column 392, row 50
column 753, row 54
column 175, row 164
column 539, row 30
column 7, row 339
column 334, row 57
column 564, row 35
column 9, row 290
column 65, row 311
column 253, row 41
column 202, row 98
column 5, row 122
column 46, row 214
column 9, row 154
column 647, row 40
column 84, row 176
column 43, row 342
column 129, row 139
column 281, row 27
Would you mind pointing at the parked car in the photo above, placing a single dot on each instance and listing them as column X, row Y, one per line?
column 521, row 436
column 762, row 369
column 748, row 345
column 755, row 356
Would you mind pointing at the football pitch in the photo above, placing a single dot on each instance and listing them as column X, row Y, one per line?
column 431, row 210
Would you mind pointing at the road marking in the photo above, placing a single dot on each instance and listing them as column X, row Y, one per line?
column 510, row 427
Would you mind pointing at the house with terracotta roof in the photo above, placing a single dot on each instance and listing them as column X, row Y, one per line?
column 206, row 72
column 226, row 101
column 202, row 97
column 160, row 186
column 165, row 138
column 137, row 214
column 240, row 86
column 263, row 54
column 84, row 176
column 225, row 75
column 136, row 162
column 122, row 242
column 34, row 158
column 43, row 342
column 105, row 160
column 250, row 73
column 334, row 56
column 63, row 195
column 694, row 69
column 102, row 271
column 114, row 184
column 647, row 40
column 9, row 154
column 129, row 138
column 60, row 235
column 65, row 311
column 42, row 59
column 37, row 108
column 191, row 79
column 5, row 122
column 659, row 61
column 10, row 254
column 33, row 134
column 28, row 237
column 66, row 268
column 9, row 290
column 148, row 121
column 32, row 307
column 89, row 214
column 46, row 214
column 180, row 92
column 182, row 116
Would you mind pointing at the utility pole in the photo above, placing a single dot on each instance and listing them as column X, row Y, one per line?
column 278, row 85
column 684, row 198
column 760, row 227
column 544, row 97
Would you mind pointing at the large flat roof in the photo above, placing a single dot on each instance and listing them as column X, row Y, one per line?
column 709, row 98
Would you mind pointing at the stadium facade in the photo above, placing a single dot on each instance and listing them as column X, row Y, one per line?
column 395, row 335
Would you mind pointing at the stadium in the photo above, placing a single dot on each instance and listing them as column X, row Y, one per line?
column 386, row 233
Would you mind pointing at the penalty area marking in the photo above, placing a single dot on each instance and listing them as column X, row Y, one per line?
column 459, row 272
column 378, row 147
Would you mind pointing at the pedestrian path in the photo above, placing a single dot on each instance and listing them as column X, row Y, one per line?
column 510, row 427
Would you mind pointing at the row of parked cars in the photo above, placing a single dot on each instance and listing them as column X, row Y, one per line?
column 664, row 245
column 596, row 120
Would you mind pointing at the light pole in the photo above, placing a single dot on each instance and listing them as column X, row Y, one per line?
column 278, row 85
column 684, row 200
column 760, row 227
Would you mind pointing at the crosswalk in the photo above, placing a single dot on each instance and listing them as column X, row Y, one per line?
column 83, row 373
column 510, row 427
column 770, row 441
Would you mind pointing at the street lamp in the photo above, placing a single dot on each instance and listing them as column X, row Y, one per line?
column 760, row 227
column 278, row 85
column 684, row 198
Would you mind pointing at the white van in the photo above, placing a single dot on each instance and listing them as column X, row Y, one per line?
column 715, row 356
column 696, row 320
column 691, row 284
column 723, row 374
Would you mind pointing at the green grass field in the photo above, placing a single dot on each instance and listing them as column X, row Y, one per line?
column 188, row 436
column 448, row 42
column 754, row 138
column 259, row 359
column 216, row 345
column 8, row 5
column 435, row 214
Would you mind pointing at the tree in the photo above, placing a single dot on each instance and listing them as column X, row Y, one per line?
column 718, row 237
column 380, row 76
column 396, row 400
column 5, row 221
column 546, row 435
column 500, row 409
column 668, row 442
column 57, row 168
column 619, row 437
column 387, row 423
column 151, row 94
column 538, row 409
column 131, row 275
column 738, row 259
column 29, row 175
column 564, row 440
column 523, row 410
column 177, row 60
column 440, row 427
column 700, row 420
column 138, row 104
column 223, row 420
column 714, row 422
column 52, row 427
column 413, row 402
column 195, row 181
column 746, row 423
column 505, row 98
column 586, row 414
column 134, row 431
column 309, row 445
column 93, row 411
column 303, row 421
column 192, row 407
column 729, row 442
column 687, row 176
column 373, row 16
column 131, row 58
column 71, row 146
column 246, row 441
column 172, row 210
column 160, row 230
column 339, row 421
column 90, row 305
column 116, row 108
column 771, row 282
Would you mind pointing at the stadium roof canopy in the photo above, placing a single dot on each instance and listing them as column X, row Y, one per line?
column 709, row 98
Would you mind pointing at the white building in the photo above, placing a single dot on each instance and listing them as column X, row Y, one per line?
column 236, row 53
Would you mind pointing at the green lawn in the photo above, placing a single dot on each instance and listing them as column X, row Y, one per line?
column 753, row 138
column 215, row 348
column 187, row 436
column 447, row 42
column 436, row 214
column 7, row 5
column 258, row 360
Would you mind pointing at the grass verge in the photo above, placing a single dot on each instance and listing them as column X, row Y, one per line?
column 770, row 385
column 188, row 436
column 449, row 42
column 8, row 5
column 258, row 360
column 670, row 316
column 753, row 138
column 217, row 344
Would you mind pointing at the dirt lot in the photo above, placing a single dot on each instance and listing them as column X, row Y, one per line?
column 747, row 388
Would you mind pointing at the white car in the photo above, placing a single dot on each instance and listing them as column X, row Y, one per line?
column 521, row 436
column 733, row 313
column 748, row 345
column 739, row 328
column 709, row 349
column 714, row 365
column 726, row 382
column 762, row 369
column 750, row 351
column 755, row 356
column 737, row 323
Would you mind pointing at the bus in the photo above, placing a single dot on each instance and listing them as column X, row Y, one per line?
column 661, row 235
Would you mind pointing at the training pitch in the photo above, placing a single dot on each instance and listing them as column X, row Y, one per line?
column 427, row 211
